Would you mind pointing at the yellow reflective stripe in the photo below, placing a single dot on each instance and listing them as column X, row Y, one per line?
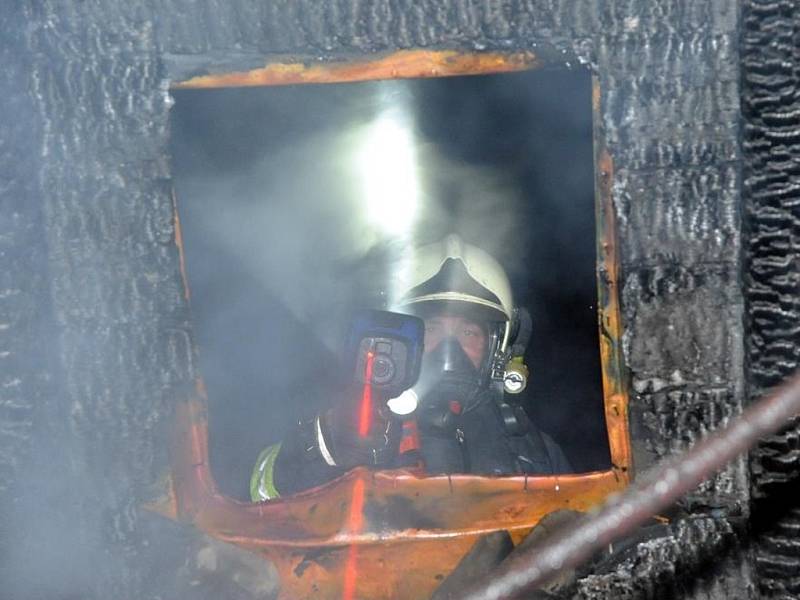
column 262, row 484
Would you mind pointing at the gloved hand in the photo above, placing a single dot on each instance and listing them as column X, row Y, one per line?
column 356, row 432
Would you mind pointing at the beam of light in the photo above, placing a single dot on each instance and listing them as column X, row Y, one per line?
column 355, row 523
column 387, row 165
column 356, row 516
column 365, row 413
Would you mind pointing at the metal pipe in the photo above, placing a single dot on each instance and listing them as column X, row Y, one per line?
column 658, row 489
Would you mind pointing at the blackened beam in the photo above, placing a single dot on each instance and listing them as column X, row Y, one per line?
column 655, row 491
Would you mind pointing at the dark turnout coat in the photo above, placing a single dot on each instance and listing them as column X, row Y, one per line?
column 482, row 441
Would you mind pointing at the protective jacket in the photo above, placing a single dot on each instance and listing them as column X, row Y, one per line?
column 490, row 439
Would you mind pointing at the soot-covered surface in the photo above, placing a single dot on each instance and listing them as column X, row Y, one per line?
column 96, row 335
column 700, row 558
column 771, row 100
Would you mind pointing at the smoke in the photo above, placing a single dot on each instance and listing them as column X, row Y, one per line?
column 279, row 244
column 299, row 204
column 297, row 219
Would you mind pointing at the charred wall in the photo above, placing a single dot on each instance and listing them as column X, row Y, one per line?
column 771, row 100
column 95, row 330
column 99, row 336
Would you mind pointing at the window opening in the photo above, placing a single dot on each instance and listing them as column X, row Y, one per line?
column 296, row 201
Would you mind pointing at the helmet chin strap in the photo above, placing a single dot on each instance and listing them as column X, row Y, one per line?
column 496, row 364
column 506, row 337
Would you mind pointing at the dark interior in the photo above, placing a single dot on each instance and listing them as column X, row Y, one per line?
column 278, row 249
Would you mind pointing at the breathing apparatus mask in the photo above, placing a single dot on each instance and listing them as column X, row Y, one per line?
column 463, row 291
column 454, row 366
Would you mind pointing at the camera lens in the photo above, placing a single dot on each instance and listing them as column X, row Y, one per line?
column 382, row 369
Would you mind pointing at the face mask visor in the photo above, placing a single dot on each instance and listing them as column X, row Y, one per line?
column 458, row 360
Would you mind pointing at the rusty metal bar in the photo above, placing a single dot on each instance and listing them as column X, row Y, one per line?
column 403, row 64
column 655, row 491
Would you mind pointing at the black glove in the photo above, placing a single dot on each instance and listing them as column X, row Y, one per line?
column 350, row 434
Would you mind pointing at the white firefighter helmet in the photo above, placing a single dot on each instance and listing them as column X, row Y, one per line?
column 461, row 276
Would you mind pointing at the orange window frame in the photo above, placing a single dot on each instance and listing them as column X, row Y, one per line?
column 311, row 536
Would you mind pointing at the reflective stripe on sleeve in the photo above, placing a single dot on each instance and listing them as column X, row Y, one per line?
column 323, row 447
column 262, row 483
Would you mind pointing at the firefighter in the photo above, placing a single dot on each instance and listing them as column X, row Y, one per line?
column 465, row 420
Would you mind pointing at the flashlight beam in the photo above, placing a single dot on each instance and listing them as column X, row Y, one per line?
column 655, row 491
column 388, row 169
column 365, row 413
column 355, row 523
column 356, row 516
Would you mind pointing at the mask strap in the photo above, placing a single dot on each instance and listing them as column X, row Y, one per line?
column 506, row 336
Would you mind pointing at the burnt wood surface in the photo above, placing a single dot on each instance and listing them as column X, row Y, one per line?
column 95, row 336
column 771, row 105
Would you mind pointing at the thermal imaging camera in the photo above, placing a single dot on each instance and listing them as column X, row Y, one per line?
column 384, row 349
